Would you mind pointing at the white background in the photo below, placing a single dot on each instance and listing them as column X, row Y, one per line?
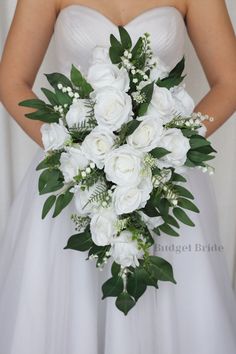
column 17, row 150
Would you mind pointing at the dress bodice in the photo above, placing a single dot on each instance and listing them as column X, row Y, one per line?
column 78, row 29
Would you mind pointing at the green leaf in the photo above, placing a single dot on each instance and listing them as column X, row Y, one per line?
column 116, row 45
column 50, row 161
column 48, row 205
column 197, row 156
column 63, row 97
column 80, row 242
column 79, row 81
column 112, row 287
column 182, row 216
column 138, row 48
column 131, row 126
column 115, row 269
column 125, row 302
column 169, row 219
column 50, row 180
column 56, row 78
column 182, row 191
column 51, row 96
column 115, row 55
column 147, row 91
column 150, row 210
column 167, row 229
column 161, row 268
column 187, row 204
column 169, row 82
column 125, row 38
column 136, row 285
column 178, row 178
column 196, row 142
column 174, row 78
column 33, row 103
column 159, row 152
column 178, row 69
column 164, row 206
column 62, row 201
column 44, row 116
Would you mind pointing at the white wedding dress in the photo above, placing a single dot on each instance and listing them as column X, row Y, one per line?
column 50, row 298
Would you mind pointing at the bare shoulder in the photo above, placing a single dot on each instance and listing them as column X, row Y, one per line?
column 28, row 38
column 211, row 32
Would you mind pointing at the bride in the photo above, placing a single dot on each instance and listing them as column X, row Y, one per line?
column 50, row 300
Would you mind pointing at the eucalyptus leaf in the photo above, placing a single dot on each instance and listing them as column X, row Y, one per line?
column 125, row 302
column 112, row 287
column 182, row 216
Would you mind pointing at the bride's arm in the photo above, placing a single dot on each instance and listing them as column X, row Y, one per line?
column 212, row 35
column 25, row 47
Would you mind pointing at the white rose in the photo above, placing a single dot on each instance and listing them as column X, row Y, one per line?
column 112, row 107
column 162, row 104
column 100, row 55
column 54, row 136
column 125, row 251
column 101, row 75
column 160, row 71
column 183, row 101
column 147, row 135
column 174, row 141
column 128, row 198
column 98, row 144
column 78, row 112
column 123, row 166
column 151, row 222
column 102, row 227
column 71, row 162
column 81, row 198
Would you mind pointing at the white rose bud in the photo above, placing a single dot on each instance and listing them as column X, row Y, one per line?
column 71, row 162
column 102, row 227
column 183, row 101
column 100, row 55
column 54, row 136
column 125, row 251
column 123, row 166
column 101, row 75
column 98, row 144
column 77, row 113
column 160, row 71
column 128, row 199
column 162, row 104
column 147, row 135
column 81, row 199
column 112, row 107
column 174, row 141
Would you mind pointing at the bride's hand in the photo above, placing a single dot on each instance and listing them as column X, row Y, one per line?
column 25, row 47
column 213, row 37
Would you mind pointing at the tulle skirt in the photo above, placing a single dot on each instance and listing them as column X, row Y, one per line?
column 50, row 297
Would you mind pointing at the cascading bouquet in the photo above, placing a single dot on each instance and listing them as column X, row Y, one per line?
column 118, row 142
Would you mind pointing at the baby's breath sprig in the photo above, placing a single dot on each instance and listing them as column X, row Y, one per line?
column 81, row 222
column 68, row 90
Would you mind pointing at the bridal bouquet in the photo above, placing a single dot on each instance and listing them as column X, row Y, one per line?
column 118, row 142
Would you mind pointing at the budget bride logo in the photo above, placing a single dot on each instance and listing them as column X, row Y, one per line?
column 184, row 248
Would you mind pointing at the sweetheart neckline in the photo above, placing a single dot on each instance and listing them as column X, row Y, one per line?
column 95, row 11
